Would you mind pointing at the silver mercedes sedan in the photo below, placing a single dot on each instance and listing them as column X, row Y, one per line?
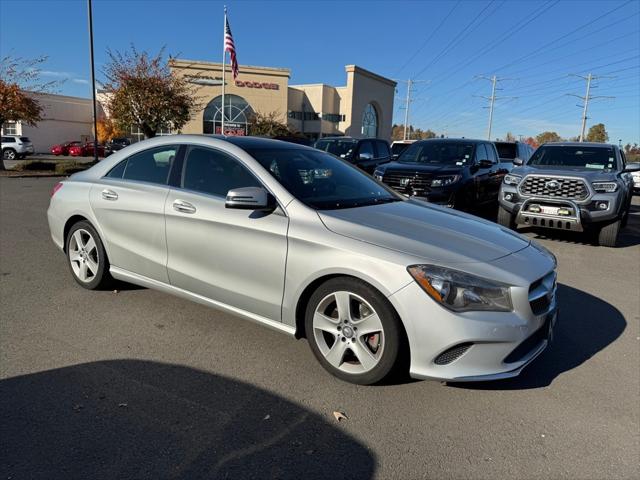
column 305, row 243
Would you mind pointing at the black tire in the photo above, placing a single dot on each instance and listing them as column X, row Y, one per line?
column 102, row 278
column 608, row 235
column 395, row 350
column 9, row 154
column 505, row 218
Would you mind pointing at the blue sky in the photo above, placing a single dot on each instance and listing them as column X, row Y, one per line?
column 533, row 45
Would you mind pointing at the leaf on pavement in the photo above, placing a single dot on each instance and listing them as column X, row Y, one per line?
column 340, row 416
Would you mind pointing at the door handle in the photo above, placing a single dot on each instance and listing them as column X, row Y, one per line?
column 109, row 194
column 183, row 207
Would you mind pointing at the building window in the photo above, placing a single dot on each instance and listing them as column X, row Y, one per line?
column 10, row 128
column 304, row 115
column 295, row 115
column 237, row 115
column 370, row 122
column 333, row 117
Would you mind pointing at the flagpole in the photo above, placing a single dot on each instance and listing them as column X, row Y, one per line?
column 224, row 58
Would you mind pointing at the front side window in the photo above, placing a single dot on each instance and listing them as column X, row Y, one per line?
column 383, row 149
column 215, row 173
column 438, row 152
column 574, row 157
column 322, row 181
column 8, row 139
column 150, row 166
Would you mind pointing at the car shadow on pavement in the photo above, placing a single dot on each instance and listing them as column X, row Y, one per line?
column 139, row 419
column 586, row 325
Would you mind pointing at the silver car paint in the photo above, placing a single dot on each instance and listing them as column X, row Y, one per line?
column 375, row 244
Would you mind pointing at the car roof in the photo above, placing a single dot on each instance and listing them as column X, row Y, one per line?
column 246, row 142
column 579, row 144
column 454, row 140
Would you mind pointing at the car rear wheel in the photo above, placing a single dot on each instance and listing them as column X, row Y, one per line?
column 608, row 235
column 353, row 331
column 87, row 258
column 505, row 218
column 9, row 154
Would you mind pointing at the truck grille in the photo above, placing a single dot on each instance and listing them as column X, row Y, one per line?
column 554, row 187
column 541, row 293
column 403, row 180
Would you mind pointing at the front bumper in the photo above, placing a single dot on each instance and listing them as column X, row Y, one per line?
column 582, row 213
column 502, row 344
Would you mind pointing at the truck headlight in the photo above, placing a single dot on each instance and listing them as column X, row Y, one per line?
column 444, row 180
column 378, row 174
column 605, row 187
column 512, row 179
column 460, row 291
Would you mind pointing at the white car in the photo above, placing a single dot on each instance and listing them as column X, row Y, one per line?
column 15, row 147
column 636, row 179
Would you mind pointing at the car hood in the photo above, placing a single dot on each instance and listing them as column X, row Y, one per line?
column 587, row 174
column 422, row 168
column 436, row 234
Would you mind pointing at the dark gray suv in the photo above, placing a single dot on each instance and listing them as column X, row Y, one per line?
column 569, row 186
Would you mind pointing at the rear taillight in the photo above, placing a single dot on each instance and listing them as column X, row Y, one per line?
column 56, row 187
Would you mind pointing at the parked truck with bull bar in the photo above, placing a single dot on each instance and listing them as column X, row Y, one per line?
column 583, row 187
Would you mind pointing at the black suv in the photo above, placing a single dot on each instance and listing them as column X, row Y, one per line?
column 116, row 144
column 509, row 151
column 570, row 186
column 366, row 153
column 460, row 173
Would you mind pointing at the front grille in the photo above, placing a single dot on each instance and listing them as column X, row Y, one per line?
column 554, row 187
column 452, row 353
column 541, row 293
column 407, row 180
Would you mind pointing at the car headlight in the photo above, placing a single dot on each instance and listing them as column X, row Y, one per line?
column 444, row 180
column 461, row 292
column 605, row 187
column 378, row 174
column 512, row 179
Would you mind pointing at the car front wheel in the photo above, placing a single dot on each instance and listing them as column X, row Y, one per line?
column 608, row 235
column 505, row 218
column 353, row 331
column 87, row 258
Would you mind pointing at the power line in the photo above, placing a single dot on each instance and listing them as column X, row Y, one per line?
column 408, row 101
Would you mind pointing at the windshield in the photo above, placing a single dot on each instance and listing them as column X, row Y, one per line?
column 507, row 150
column 438, row 153
column 339, row 148
column 322, row 181
column 398, row 148
column 578, row 157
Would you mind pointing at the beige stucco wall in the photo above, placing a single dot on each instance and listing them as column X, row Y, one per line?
column 262, row 100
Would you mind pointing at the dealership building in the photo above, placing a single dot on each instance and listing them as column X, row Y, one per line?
column 361, row 108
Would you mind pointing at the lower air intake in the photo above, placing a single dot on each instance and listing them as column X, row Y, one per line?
column 452, row 353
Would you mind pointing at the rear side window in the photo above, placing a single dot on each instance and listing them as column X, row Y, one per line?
column 215, row 173
column 491, row 153
column 481, row 152
column 8, row 140
column 383, row 149
column 150, row 166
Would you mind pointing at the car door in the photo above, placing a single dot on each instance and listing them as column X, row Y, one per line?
column 497, row 172
column 128, row 204
column 365, row 156
column 482, row 175
column 236, row 257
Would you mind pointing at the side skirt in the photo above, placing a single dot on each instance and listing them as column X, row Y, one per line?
column 127, row 276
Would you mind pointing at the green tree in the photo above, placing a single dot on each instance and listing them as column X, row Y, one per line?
column 142, row 91
column 546, row 137
column 269, row 125
column 597, row 133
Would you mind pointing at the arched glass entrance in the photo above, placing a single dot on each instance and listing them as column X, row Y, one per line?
column 237, row 113
column 370, row 122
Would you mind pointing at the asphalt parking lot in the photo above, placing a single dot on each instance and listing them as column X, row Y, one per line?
column 139, row 384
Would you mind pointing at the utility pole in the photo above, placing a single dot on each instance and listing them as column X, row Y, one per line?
column 492, row 99
column 585, row 100
column 408, row 101
column 93, row 83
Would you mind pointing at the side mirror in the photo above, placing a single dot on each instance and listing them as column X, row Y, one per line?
column 518, row 162
column 364, row 156
column 250, row 198
column 485, row 164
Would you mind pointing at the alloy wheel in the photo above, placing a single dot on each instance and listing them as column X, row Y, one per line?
column 348, row 332
column 83, row 255
column 9, row 154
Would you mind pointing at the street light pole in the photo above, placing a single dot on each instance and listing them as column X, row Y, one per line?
column 93, row 84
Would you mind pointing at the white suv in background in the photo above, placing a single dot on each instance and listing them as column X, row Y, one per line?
column 15, row 147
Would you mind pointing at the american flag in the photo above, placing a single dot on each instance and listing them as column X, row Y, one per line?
column 230, row 47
